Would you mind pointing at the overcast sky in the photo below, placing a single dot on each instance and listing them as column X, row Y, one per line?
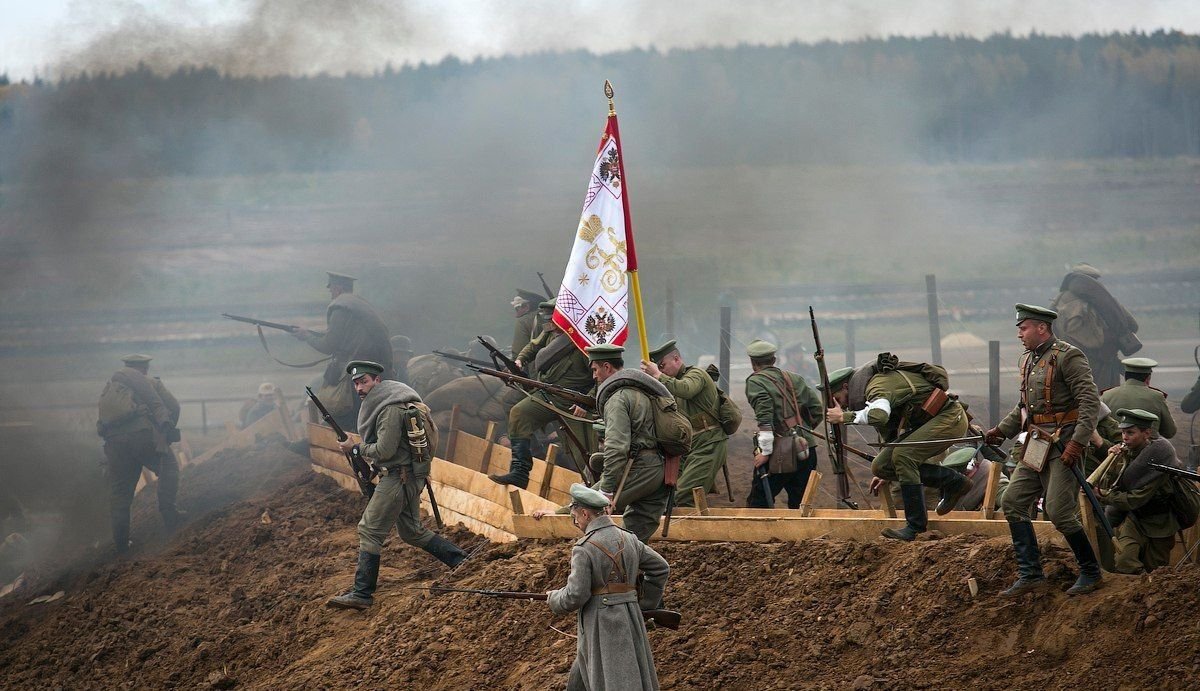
column 47, row 37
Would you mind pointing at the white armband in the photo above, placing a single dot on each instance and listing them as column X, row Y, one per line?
column 860, row 418
column 766, row 442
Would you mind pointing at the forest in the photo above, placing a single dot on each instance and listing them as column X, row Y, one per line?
column 931, row 99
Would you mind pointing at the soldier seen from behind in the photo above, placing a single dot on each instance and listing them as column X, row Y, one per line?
column 1091, row 319
column 782, row 403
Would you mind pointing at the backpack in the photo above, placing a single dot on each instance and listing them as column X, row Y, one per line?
column 1184, row 502
column 729, row 415
column 672, row 430
column 425, row 421
column 117, row 406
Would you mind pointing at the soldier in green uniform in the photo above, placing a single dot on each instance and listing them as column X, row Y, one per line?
column 355, row 332
column 1091, row 319
column 632, row 474
column 1057, row 412
column 387, row 415
column 138, row 419
column 402, row 352
column 1139, row 499
column 612, row 650
column 906, row 402
column 696, row 394
column 525, row 313
column 552, row 358
column 1136, row 392
column 782, row 401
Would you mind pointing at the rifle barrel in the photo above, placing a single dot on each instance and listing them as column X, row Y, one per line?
column 260, row 322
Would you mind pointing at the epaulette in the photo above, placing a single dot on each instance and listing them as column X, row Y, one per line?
column 1062, row 346
column 583, row 540
column 1104, row 391
column 1164, row 393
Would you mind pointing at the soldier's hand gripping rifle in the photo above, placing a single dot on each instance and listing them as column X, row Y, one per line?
column 499, row 359
column 290, row 328
column 363, row 472
column 833, row 433
column 668, row 619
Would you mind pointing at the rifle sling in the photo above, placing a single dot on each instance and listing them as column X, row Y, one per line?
column 263, row 339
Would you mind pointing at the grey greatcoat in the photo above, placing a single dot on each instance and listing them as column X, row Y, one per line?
column 613, row 651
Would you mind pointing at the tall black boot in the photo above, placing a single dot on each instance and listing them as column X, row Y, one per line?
column 445, row 551
column 518, row 470
column 366, row 577
column 1029, row 559
column 953, row 484
column 916, row 520
column 1089, row 568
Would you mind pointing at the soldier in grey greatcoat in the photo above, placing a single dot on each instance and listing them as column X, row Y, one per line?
column 612, row 650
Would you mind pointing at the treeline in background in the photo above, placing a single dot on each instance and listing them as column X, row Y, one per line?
column 932, row 99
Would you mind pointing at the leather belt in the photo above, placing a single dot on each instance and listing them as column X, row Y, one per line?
column 614, row 589
column 385, row 471
column 1056, row 419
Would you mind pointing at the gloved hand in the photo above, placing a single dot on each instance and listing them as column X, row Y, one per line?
column 1072, row 454
column 766, row 442
column 993, row 437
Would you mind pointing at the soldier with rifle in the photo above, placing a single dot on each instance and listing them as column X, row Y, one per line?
column 908, row 404
column 552, row 358
column 696, row 394
column 834, row 436
column 1057, row 414
column 784, row 404
column 612, row 649
column 396, row 444
column 1139, row 499
column 525, row 308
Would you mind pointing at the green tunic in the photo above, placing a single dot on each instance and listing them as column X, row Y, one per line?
column 696, row 394
column 904, row 393
column 629, row 431
column 1144, row 539
column 763, row 391
column 1137, row 394
column 523, row 327
column 570, row 371
column 1071, row 388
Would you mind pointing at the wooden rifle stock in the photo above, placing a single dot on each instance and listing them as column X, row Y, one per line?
column 363, row 473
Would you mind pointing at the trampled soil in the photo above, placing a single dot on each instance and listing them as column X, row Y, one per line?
column 232, row 601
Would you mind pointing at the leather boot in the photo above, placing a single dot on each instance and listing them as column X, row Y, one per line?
column 366, row 577
column 953, row 484
column 445, row 551
column 518, row 470
column 1029, row 560
column 915, row 517
column 1089, row 568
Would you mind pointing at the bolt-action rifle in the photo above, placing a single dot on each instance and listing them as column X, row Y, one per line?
column 833, row 433
column 463, row 358
column 290, row 328
column 668, row 619
column 500, row 360
column 363, row 472
column 546, row 286
column 580, row 399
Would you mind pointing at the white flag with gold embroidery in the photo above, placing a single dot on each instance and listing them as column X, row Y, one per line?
column 593, row 300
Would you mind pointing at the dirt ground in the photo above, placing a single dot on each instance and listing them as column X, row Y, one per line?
column 234, row 601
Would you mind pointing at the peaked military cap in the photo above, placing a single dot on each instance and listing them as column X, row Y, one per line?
column 1139, row 365
column 343, row 279
column 1135, row 417
column 547, row 306
column 663, row 351
column 605, row 352
column 361, row 368
column 760, row 348
column 136, row 359
column 837, row 377
column 401, row 343
column 530, row 296
column 1036, row 313
column 582, row 495
column 1085, row 269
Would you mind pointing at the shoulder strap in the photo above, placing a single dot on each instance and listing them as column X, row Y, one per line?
column 787, row 392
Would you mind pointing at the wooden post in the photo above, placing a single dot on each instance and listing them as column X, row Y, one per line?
column 551, row 462
column 935, row 330
column 988, row 510
column 889, row 506
column 810, row 491
column 514, row 496
column 203, row 418
column 993, row 383
column 489, row 436
column 452, row 435
column 701, row 500
column 723, row 356
column 850, row 342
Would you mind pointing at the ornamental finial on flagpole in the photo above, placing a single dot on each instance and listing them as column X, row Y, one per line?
column 608, row 91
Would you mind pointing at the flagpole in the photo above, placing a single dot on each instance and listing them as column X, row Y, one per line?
column 635, row 285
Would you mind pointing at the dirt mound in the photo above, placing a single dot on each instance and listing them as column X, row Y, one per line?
column 235, row 601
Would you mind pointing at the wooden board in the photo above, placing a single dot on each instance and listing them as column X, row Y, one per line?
column 469, row 451
column 766, row 529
